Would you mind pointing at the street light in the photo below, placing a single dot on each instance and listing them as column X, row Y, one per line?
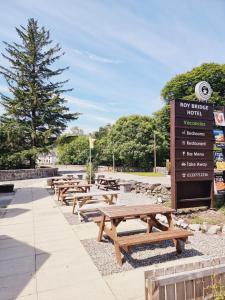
column 113, row 156
column 91, row 146
column 154, row 136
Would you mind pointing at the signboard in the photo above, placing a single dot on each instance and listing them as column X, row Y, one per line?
column 203, row 91
column 186, row 165
column 192, row 161
column 219, row 184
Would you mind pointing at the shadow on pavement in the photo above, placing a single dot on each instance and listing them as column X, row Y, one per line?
column 18, row 267
column 14, row 212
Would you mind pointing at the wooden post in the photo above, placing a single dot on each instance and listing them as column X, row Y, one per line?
column 172, row 155
column 154, row 152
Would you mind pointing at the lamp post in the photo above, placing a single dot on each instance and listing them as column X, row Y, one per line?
column 91, row 146
column 113, row 156
column 154, row 151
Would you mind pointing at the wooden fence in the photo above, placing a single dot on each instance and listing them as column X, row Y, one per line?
column 186, row 281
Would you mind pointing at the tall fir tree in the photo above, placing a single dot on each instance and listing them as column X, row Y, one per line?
column 35, row 108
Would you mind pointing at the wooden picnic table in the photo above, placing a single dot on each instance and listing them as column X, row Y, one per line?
column 81, row 200
column 61, row 179
column 68, row 182
column 65, row 189
column 108, row 183
column 147, row 213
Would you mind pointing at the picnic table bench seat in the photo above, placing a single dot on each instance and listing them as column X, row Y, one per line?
column 82, row 200
column 153, row 237
column 97, row 193
column 93, row 206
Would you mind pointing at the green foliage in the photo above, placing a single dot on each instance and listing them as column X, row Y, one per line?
column 75, row 152
column 90, row 172
column 161, row 121
column 183, row 86
column 35, row 111
column 130, row 139
column 217, row 287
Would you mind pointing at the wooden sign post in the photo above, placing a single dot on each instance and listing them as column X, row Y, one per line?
column 191, row 154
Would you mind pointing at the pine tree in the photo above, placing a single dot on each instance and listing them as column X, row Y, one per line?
column 35, row 107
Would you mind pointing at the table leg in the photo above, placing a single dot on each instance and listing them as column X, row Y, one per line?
column 74, row 203
column 171, row 227
column 63, row 194
column 170, row 221
column 150, row 224
column 116, row 244
column 101, row 228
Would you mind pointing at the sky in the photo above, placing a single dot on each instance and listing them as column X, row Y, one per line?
column 121, row 53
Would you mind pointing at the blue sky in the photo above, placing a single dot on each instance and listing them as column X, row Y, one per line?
column 122, row 52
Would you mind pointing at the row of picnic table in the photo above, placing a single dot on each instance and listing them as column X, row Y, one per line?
column 111, row 215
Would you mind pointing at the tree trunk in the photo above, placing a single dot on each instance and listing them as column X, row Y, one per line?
column 32, row 163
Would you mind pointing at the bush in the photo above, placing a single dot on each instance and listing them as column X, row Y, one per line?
column 90, row 172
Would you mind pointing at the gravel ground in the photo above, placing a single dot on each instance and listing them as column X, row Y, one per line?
column 103, row 255
column 212, row 245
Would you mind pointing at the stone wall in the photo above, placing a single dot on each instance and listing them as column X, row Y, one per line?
column 7, row 175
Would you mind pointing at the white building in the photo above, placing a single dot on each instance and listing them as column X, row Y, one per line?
column 47, row 158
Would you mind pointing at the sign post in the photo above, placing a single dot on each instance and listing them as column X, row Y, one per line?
column 154, row 152
column 191, row 152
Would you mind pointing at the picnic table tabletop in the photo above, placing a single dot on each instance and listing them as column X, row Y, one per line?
column 71, row 185
column 97, row 193
column 107, row 180
column 68, row 181
column 81, row 199
column 119, row 211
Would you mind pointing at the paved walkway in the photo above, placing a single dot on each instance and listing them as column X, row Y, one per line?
column 41, row 258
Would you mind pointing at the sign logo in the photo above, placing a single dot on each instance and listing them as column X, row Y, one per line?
column 203, row 91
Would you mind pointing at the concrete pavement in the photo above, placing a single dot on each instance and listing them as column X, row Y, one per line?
column 40, row 255
column 42, row 258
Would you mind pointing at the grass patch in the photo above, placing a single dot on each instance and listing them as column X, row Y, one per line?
column 148, row 174
column 198, row 220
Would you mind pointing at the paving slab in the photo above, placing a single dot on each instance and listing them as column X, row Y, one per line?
column 90, row 290
column 52, row 246
column 120, row 283
column 8, row 242
column 12, row 287
column 17, row 266
column 41, row 257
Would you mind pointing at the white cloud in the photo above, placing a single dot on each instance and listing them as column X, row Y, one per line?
column 103, row 59
column 97, row 58
column 4, row 89
column 101, row 119
column 86, row 104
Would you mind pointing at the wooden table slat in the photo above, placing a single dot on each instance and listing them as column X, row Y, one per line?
column 119, row 211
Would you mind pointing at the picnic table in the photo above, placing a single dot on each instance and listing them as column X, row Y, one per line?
column 83, row 202
column 147, row 213
column 68, row 190
column 68, row 182
column 62, row 179
column 107, row 183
